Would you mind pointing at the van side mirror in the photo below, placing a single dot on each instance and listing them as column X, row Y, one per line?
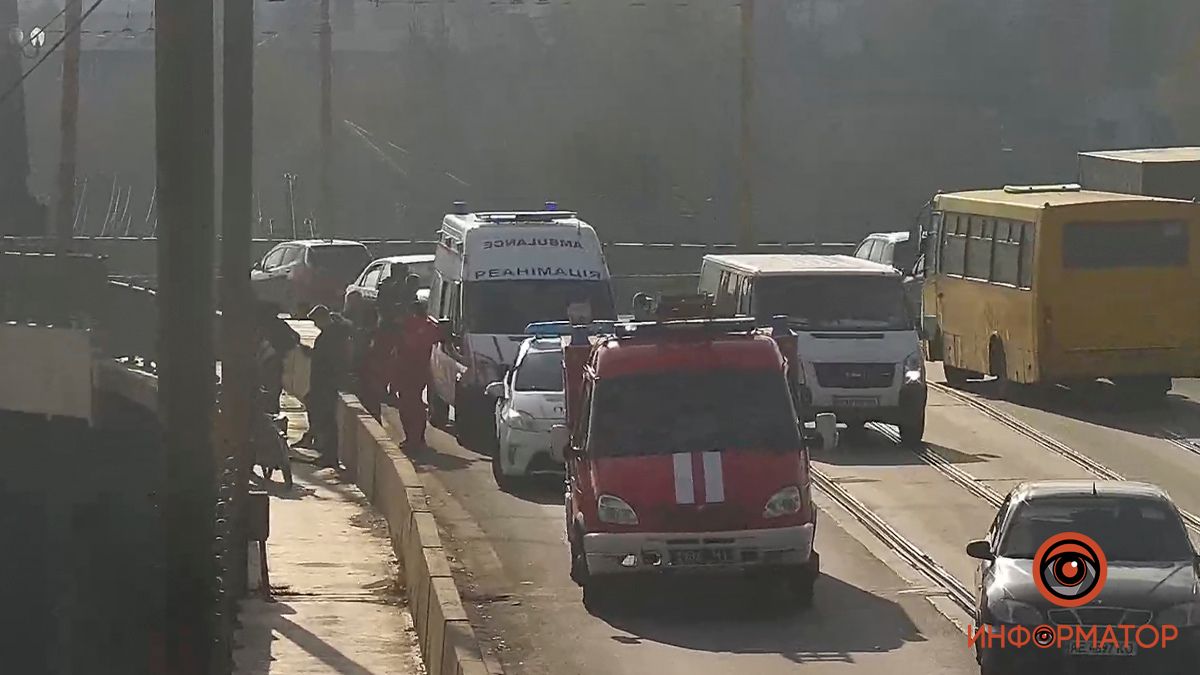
column 494, row 390
column 980, row 549
column 560, row 438
column 827, row 430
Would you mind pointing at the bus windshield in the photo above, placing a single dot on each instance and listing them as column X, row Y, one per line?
column 834, row 302
column 507, row 307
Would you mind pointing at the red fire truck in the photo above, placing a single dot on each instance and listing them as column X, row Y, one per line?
column 683, row 451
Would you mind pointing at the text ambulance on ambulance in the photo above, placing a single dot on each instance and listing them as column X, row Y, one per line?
column 495, row 273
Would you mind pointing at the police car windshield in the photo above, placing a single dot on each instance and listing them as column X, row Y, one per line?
column 664, row 413
column 832, row 302
column 540, row 371
column 1128, row 529
column 507, row 307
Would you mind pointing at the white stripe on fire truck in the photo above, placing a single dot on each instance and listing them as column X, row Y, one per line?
column 714, row 478
column 685, row 490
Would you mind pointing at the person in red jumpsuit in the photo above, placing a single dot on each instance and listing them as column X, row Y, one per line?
column 376, row 367
column 411, row 372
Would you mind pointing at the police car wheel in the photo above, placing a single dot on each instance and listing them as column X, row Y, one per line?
column 504, row 482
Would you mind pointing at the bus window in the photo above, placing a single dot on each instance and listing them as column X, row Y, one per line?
column 726, row 301
column 1006, row 263
column 1028, row 232
column 954, row 245
column 979, row 249
column 1125, row 244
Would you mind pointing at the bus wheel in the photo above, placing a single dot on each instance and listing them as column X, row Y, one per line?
column 998, row 362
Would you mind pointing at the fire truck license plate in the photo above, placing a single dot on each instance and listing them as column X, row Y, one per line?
column 701, row 556
column 856, row 401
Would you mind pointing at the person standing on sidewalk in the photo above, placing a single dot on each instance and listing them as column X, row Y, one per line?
column 411, row 373
column 330, row 370
column 378, row 360
column 276, row 340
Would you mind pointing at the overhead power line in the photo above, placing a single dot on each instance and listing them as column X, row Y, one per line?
column 66, row 33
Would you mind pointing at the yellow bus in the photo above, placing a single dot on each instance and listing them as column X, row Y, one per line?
column 1056, row 284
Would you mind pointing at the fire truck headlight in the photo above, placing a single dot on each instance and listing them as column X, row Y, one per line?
column 615, row 511
column 783, row 503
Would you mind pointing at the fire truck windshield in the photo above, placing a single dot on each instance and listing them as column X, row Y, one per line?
column 686, row 411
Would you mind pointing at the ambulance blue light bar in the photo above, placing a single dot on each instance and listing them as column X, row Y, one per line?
column 527, row 216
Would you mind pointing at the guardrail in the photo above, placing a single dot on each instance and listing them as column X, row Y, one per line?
column 136, row 256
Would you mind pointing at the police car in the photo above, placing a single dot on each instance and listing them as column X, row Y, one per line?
column 529, row 401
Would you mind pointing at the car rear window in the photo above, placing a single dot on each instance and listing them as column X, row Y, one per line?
column 344, row 260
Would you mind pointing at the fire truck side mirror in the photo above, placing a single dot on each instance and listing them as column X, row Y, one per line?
column 560, row 438
column 827, row 429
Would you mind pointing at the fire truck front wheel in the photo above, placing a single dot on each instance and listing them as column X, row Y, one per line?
column 803, row 581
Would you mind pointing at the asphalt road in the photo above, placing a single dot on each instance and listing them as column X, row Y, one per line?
column 511, row 555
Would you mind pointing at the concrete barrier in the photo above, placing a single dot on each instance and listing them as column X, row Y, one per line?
column 390, row 481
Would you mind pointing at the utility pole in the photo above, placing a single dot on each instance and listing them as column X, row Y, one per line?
column 184, row 119
column 746, row 164
column 21, row 214
column 69, row 125
column 325, row 211
column 291, row 200
column 237, row 213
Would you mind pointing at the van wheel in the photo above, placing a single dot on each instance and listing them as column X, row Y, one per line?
column 912, row 432
column 998, row 364
column 439, row 410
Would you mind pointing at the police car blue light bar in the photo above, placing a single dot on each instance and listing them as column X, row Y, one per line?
column 741, row 324
column 561, row 328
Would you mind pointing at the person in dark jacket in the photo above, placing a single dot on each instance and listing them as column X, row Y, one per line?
column 276, row 340
column 331, row 361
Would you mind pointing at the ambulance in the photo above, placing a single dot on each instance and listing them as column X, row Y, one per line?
column 684, row 455
column 494, row 274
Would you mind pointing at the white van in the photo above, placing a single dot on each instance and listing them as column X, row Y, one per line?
column 494, row 274
column 858, row 341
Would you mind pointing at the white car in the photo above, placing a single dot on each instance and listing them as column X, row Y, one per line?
column 529, row 402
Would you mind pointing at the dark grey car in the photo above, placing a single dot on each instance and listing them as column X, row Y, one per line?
column 1146, row 574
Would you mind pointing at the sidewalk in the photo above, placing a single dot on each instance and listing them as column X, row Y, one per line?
column 333, row 577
